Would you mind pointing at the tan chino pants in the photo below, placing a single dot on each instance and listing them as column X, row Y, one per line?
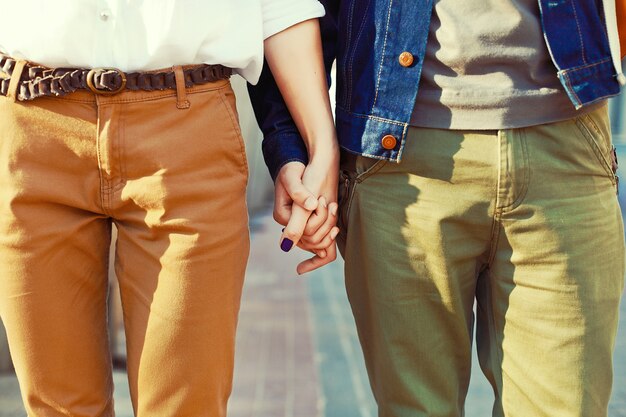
column 172, row 179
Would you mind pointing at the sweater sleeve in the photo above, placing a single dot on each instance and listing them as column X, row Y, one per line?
column 279, row 15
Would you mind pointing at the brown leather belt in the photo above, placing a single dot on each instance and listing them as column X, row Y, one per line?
column 38, row 81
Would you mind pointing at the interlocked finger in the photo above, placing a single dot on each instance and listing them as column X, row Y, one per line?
column 315, row 240
column 317, row 262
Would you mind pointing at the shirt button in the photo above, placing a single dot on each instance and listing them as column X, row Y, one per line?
column 406, row 59
column 104, row 15
column 389, row 142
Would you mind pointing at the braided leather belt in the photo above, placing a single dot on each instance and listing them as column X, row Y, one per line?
column 37, row 81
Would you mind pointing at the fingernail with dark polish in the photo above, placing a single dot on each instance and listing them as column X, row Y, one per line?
column 286, row 245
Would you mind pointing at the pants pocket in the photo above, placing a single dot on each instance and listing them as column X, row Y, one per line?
column 354, row 170
column 595, row 129
column 227, row 96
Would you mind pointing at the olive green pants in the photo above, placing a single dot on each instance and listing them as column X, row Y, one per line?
column 524, row 222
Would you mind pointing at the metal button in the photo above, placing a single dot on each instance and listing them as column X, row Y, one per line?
column 406, row 59
column 389, row 142
column 104, row 15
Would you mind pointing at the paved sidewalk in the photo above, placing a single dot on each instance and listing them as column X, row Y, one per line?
column 298, row 354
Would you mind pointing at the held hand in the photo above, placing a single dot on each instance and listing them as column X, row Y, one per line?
column 290, row 192
column 320, row 230
column 316, row 231
column 321, row 242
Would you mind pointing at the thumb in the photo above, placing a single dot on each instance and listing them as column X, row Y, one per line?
column 282, row 204
column 291, row 178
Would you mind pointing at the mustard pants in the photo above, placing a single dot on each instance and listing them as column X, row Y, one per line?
column 525, row 223
column 172, row 179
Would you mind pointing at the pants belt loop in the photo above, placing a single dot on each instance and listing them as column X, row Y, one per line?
column 16, row 76
column 181, row 93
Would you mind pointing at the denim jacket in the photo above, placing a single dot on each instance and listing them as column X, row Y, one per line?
column 377, row 81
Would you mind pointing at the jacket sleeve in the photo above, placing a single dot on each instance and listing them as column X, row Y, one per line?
column 282, row 142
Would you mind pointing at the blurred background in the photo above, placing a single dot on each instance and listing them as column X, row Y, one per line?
column 297, row 350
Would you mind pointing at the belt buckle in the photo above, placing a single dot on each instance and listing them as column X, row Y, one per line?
column 90, row 81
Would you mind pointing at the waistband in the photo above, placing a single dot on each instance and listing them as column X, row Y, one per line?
column 36, row 81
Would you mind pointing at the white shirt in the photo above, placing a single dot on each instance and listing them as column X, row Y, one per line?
column 135, row 35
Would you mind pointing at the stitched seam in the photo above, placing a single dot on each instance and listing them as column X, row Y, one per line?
column 103, row 185
column 117, row 187
column 351, row 193
column 348, row 43
column 375, row 156
column 122, row 149
column 580, row 67
column 571, row 89
column 495, row 236
column 403, row 141
column 371, row 171
column 382, row 61
column 383, row 158
column 497, row 369
column 565, row 74
column 118, row 152
column 526, row 175
column 492, row 319
column 594, row 144
column 588, row 103
column 580, row 35
column 356, row 42
column 495, row 231
column 235, row 126
column 379, row 119
column 503, row 166
column 108, row 357
column 595, row 148
column 595, row 127
column 65, row 98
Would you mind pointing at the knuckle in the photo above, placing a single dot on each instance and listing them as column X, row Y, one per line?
column 316, row 243
column 279, row 218
column 298, row 194
column 292, row 234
